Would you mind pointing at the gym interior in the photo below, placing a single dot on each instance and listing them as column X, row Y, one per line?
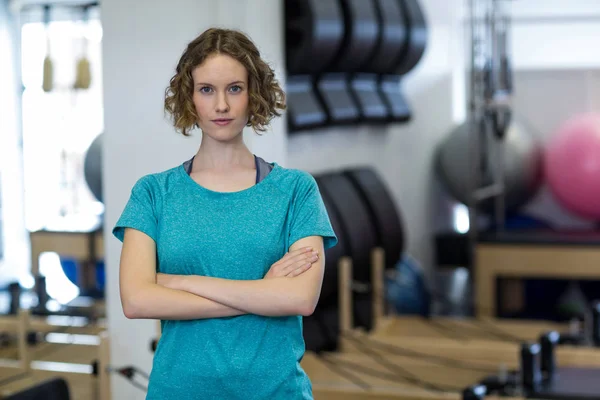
column 455, row 143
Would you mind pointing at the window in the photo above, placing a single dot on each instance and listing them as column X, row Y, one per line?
column 59, row 125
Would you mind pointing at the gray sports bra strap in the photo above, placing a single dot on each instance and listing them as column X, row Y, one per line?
column 262, row 168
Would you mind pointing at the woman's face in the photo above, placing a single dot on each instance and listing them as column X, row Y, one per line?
column 221, row 97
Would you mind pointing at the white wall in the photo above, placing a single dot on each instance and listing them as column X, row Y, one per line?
column 555, row 34
column 140, row 51
column 402, row 153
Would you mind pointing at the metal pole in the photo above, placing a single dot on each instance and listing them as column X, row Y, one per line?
column 472, row 136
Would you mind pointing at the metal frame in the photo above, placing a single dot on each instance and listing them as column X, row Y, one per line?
column 489, row 107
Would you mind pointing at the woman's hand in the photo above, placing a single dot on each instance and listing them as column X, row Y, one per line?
column 293, row 263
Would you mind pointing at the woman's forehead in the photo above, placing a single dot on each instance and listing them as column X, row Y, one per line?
column 220, row 69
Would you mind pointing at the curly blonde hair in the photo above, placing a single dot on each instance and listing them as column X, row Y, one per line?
column 266, row 97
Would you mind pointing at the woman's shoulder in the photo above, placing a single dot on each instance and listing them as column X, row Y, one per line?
column 158, row 182
column 291, row 180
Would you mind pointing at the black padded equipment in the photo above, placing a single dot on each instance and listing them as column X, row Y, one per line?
column 345, row 100
column 314, row 338
column 304, row 108
column 357, row 227
column 340, row 106
column 329, row 288
column 391, row 42
column 359, row 235
column 361, row 35
column 329, row 322
column 314, row 33
column 411, row 53
column 371, row 105
column 417, row 36
column 393, row 37
column 321, row 329
column 52, row 389
column 390, row 86
column 382, row 210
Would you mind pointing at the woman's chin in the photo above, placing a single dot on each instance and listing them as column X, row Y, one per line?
column 223, row 134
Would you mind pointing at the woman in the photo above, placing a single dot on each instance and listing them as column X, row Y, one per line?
column 225, row 249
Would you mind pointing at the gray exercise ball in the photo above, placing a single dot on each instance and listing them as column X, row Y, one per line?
column 522, row 165
column 93, row 167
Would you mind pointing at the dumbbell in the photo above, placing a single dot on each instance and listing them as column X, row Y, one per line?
column 531, row 376
column 596, row 323
column 42, row 293
column 15, row 298
column 475, row 392
column 548, row 343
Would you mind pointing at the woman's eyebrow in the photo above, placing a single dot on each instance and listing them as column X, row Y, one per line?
column 208, row 84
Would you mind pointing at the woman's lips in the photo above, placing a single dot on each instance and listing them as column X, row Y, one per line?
column 222, row 122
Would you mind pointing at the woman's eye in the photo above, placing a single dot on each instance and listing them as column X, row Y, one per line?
column 236, row 88
column 205, row 89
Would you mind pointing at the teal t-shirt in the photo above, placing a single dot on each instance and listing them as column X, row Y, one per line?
column 238, row 236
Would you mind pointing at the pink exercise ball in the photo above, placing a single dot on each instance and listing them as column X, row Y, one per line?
column 572, row 165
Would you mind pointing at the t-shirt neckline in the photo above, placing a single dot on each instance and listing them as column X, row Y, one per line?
column 256, row 186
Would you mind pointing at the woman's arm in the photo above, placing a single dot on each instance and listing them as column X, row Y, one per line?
column 271, row 297
column 143, row 298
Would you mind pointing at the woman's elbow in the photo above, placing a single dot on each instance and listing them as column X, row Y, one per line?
column 132, row 307
column 307, row 307
column 129, row 309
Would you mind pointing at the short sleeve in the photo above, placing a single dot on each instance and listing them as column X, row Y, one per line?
column 310, row 217
column 140, row 211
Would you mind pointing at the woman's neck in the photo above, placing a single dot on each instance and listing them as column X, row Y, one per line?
column 221, row 156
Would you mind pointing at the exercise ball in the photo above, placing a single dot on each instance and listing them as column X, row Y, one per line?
column 523, row 165
column 93, row 167
column 407, row 290
column 523, row 222
column 572, row 165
